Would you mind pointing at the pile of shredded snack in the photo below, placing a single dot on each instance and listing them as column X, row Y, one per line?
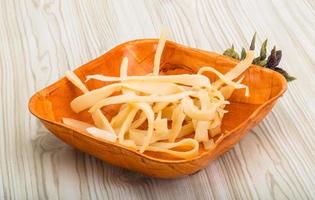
column 171, row 114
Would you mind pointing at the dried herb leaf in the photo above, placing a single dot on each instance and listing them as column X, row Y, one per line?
column 252, row 44
column 263, row 50
column 262, row 63
column 231, row 53
column 272, row 59
column 243, row 53
column 256, row 60
column 290, row 78
column 285, row 74
column 279, row 56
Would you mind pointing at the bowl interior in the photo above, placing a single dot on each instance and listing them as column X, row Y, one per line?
column 53, row 103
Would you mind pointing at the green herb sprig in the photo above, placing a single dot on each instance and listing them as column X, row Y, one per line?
column 272, row 61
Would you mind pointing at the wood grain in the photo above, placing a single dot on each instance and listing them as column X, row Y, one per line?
column 39, row 40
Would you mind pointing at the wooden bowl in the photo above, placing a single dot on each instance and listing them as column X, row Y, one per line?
column 51, row 104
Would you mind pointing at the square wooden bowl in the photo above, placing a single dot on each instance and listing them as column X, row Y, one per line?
column 51, row 104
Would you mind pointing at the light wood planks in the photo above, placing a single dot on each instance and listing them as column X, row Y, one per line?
column 41, row 39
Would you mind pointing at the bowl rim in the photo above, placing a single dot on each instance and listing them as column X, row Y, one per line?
column 54, row 86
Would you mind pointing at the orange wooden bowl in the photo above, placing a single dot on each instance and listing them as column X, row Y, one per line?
column 51, row 104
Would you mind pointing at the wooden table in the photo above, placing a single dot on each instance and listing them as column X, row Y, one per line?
column 40, row 40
